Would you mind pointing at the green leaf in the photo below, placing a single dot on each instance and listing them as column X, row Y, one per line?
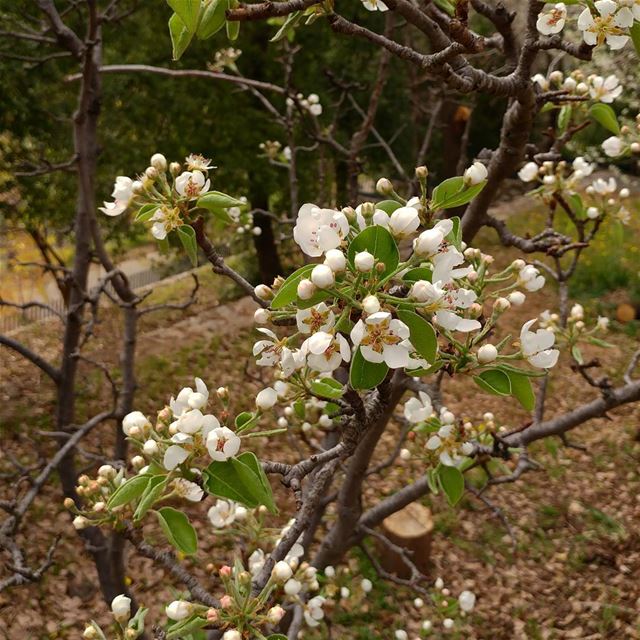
column 388, row 206
column 419, row 273
column 605, row 116
column 184, row 628
column 276, row 636
column 233, row 26
column 634, row 32
column 327, row 388
column 530, row 373
column 152, row 492
column 452, row 483
column 600, row 343
column 188, row 11
column 364, row 374
column 299, row 408
column 446, row 6
column 521, row 390
column 576, row 204
column 292, row 21
column 187, row 237
column 494, row 381
column 217, row 200
column 241, row 479
column 380, row 243
column 178, row 530
column 180, row 36
column 453, row 193
column 145, row 212
column 564, row 117
column 423, row 335
column 213, row 19
column 455, row 235
column 130, row 490
column 287, row 293
column 245, row 420
column 432, row 481
column 577, row 354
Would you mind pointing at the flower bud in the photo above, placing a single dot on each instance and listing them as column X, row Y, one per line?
column 266, row 399
column 226, row 601
column 344, row 593
column 635, row 147
column 364, row 261
column 322, row 276
column 501, row 304
column 448, row 623
column 222, row 393
column 150, row 447
column 624, row 193
column 261, row 316
column 467, row 600
column 121, row 608
column 80, row 522
column 350, row 213
column 179, row 610
column 306, row 289
column 159, row 162
column 371, row 304
column 137, row 462
column 137, row 187
column 405, row 454
column 69, row 503
column 99, row 507
column 384, row 187
column 516, row 298
column 475, row 174
column 366, row 584
column 487, row 353
column 292, row 587
column 90, row 633
column 439, row 583
column 335, row 260
column 263, row 292
column 106, row 471
column 281, row 571
column 593, row 213
column 275, row 614
column 175, row 168
column 422, row 172
column 518, row 265
column 151, row 173
column 428, row 242
column 212, row 615
column 232, row 634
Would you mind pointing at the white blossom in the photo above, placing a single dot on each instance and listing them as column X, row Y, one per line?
column 475, row 174
column 189, row 399
column 325, row 351
column 404, row 221
column 605, row 89
column 222, row 514
column 536, row 346
column 322, row 276
column 375, row 5
column 429, row 241
column 222, row 444
column 382, row 338
column 318, row 230
column 179, row 610
column 613, row 146
column 313, row 611
column 487, row 353
column 529, row 172
column 188, row 490
column 552, row 19
column 467, row 600
column 336, row 260
column 122, row 193
column 266, row 398
column 134, row 420
column 192, row 184
column 607, row 26
column 418, row 409
column 173, row 456
column 281, row 572
column 121, row 608
column 364, row 261
column 530, row 278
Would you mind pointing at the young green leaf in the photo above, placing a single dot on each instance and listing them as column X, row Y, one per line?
column 494, row 381
column 187, row 237
column 605, row 116
column 521, row 390
column 327, row 388
column 188, row 11
column 217, row 200
column 423, row 335
column 145, row 212
column 185, row 628
column 178, row 530
column 452, row 192
column 287, row 293
column 452, row 483
column 634, row 32
column 378, row 242
column 129, row 490
column 364, row 374
column 213, row 18
column 180, row 36
column 251, row 471
column 152, row 492
column 388, row 206
column 419, row 273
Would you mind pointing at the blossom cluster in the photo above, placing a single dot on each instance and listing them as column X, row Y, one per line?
column 627, row 141
column 601, row 197
column 603, row 21
column 590, row 88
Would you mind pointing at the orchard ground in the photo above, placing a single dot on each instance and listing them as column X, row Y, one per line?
column 574, row 570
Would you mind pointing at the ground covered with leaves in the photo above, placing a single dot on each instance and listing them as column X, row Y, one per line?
column 566, row 566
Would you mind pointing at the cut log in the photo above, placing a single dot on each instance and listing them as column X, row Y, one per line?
column 412, row 529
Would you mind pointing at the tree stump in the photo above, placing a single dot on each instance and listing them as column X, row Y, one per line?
column 410, row 528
